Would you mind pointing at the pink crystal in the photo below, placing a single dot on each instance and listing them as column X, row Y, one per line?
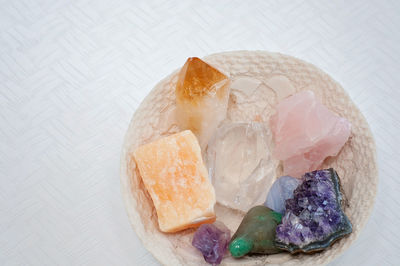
column 212, row 240
column 306, row 132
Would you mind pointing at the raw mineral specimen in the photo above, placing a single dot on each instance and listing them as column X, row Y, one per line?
column 212, row 240
column 306, row 132
column 281, row 85
column 202, row 94
column 245, row 85
column 281, row 190
column 256, row 233
column 240, row 164
column 314, row 218
column 173, row 173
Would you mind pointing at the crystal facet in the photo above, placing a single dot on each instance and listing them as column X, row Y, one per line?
column 256, row 233
column 314, row 218
column 245, row 85
column 212, row 240
column 306, row 132
column 240, row 164
column 281, row 190
column 202, row 94
column 281, row 85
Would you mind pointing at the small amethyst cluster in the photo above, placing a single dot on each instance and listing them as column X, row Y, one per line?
column 313, row 217
column 212, row 240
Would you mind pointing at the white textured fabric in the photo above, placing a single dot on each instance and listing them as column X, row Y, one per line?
column 72, row 74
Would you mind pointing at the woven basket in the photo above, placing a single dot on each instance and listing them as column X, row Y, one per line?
column 355, row 164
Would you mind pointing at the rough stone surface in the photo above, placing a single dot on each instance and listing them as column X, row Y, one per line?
column 212, row 240
column 306, row 132
column 173, row 172
column 314, row 217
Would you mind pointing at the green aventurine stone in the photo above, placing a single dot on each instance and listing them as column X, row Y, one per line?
column 256, row 233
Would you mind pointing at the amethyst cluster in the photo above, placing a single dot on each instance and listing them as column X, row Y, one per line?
column 212, row 240
column 314, row 217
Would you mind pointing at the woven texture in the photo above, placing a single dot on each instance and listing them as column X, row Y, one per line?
column 355, row 164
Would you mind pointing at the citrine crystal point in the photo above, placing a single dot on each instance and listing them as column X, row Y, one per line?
column 202, row 94
column 198, row 79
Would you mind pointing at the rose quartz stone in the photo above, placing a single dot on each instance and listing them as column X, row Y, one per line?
column 306, row 132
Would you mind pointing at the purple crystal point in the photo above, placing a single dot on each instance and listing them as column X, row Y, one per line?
column 314, row 217
column 212, row 240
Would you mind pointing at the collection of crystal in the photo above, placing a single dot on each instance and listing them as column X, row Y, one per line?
column 303, row 210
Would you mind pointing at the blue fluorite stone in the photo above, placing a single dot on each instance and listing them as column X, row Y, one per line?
column 281, row 190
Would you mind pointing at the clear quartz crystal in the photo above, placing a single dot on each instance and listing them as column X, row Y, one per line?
column 240, row 165
column 281, row 85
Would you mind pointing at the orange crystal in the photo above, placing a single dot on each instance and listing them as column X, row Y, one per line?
column 202, row 94
column 173, row 173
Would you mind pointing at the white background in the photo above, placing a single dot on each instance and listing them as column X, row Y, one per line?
column 73, row 73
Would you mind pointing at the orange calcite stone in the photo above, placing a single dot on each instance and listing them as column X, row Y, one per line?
column 202, row 94
column 173, row 173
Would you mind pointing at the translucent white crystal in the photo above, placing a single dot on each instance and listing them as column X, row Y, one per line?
column 245, row 85
column 281, row 85
column 240, row 164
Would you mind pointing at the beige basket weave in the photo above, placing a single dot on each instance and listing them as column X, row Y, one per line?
column 356, row 163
